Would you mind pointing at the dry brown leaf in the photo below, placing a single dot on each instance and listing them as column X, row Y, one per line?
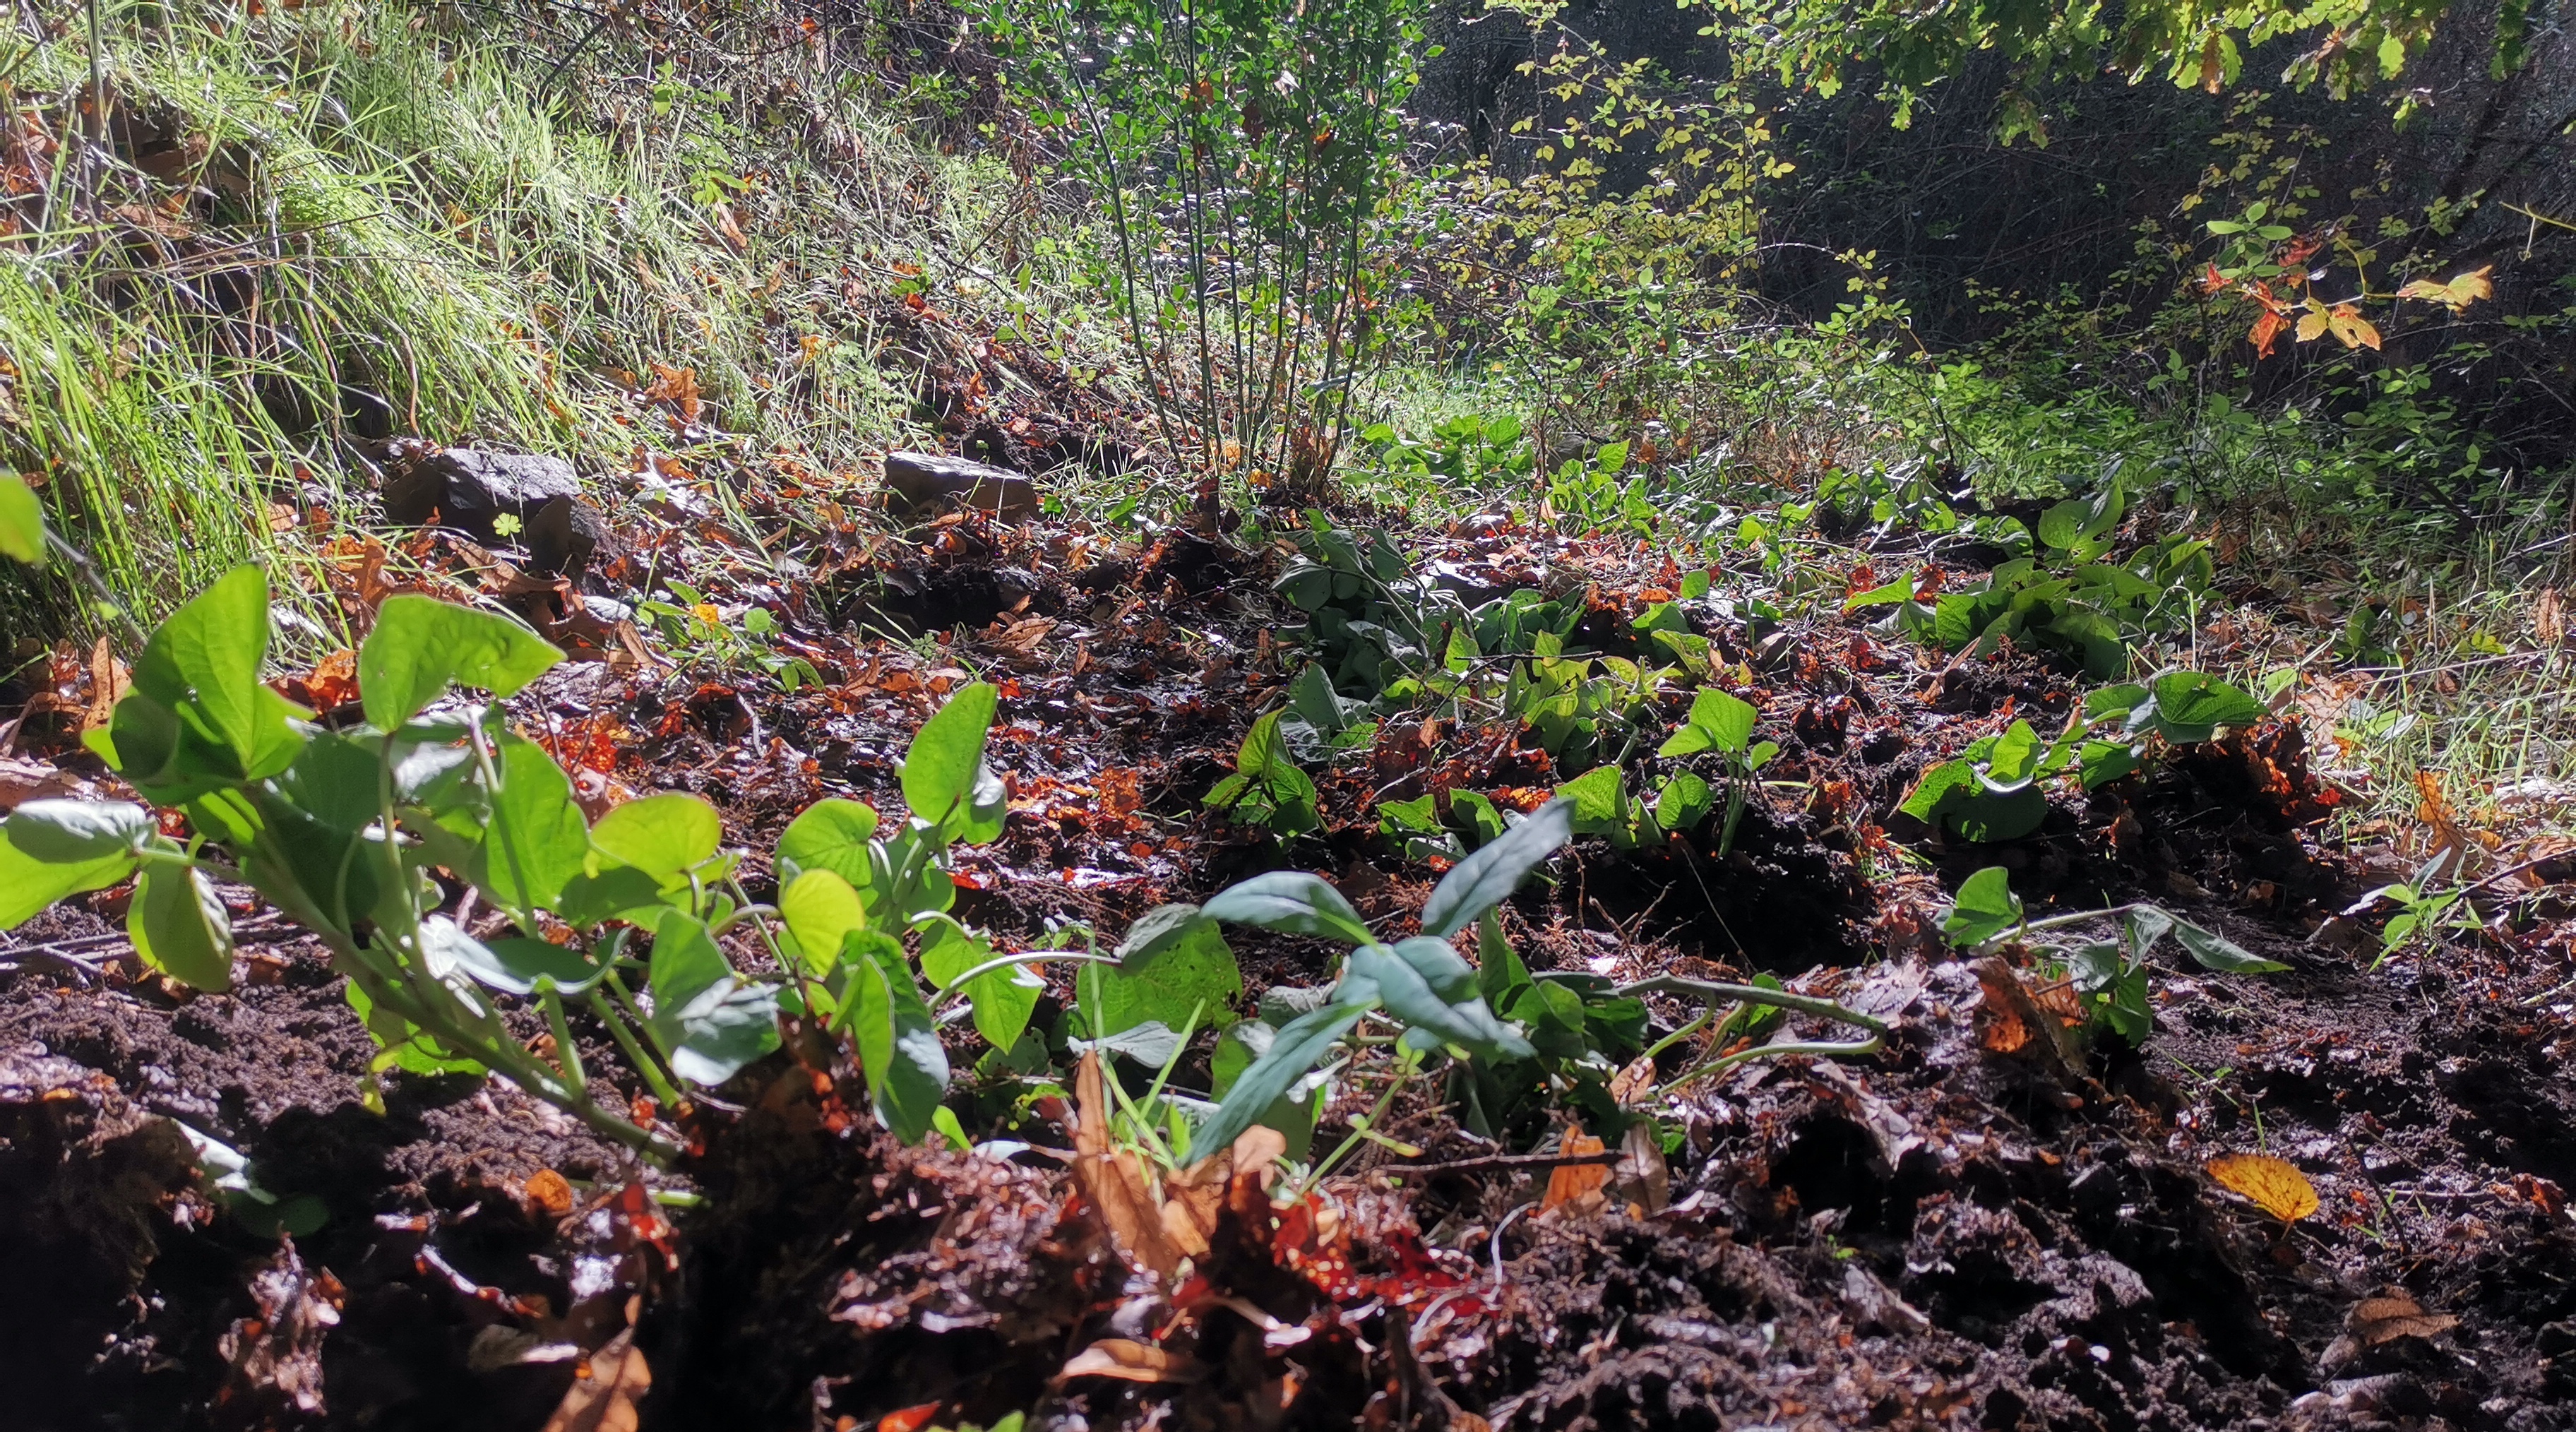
column 2386, row 1319
column 22, row 780
column 1645, row 1182
column 108, row 683
column 1572, row 1183
column 2549, row 618
column 603, row 1397
column 2434, row 809
column 2274, row 1185
column 1114, row 1179
column 1195, row 1197
column 1130, row 1361
column 1636, row 1083
column 2003, row 1030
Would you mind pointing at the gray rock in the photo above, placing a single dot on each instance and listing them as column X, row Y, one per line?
column 466, row 488
column 924, row 483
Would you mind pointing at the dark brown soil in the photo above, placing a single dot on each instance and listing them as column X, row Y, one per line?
column 1939, row 1236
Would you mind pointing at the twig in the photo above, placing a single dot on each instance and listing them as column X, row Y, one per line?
column 1495, row 1163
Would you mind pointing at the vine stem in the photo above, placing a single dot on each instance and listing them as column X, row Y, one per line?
column 1714, row 990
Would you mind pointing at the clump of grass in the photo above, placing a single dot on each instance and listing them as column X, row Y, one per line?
column 318, row 225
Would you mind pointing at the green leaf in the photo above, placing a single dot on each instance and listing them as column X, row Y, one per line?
column 1989, row 818
column 420, row 645
column 402, row 1044
column 729, row 1024
column 2013, row 763
column 1500, row 975
column 820, row 909
column 830, row 835
column 1597, row 800
column 940, row 769
column 1986, row 908
column 2190, row 706
column 333, row 780
column 22, row 521
column 28, row 885
column 1293, row 903
column 1292, row 1116
column 537, row 840
column 1312, row 696
column 614, row 892
column 180, row 927
column 1488, row 877
column 1727, row 719
column 1410, row 997
column 661, row 835
column 515, row 965
column 204, row 663
column 1885, row 594
column 1292, row 1055
column 685, row 963
column 2102, row 762
column 1938, row 789
column 1165, row 929
column 1187, row 972
column 2142, row 926
column 1419, row 816
column 2216, row 952
column 987, row 807
column 68, row 832
column 1684, row 801
column 898, row 1044
column 1001, row 1000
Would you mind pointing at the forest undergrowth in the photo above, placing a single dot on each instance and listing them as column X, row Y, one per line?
column 1038, row 716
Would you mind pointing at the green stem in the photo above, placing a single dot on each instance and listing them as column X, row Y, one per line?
column 634, row 1049
column 1714, row 990
column 1853, row 1050
column 567, row 1054
column 1406, row 1066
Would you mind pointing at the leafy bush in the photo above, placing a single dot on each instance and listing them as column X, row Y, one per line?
column 342, row 829
column 1991, row 791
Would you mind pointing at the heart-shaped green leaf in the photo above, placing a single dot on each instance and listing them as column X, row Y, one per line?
column 829, row 835
column 940, row 768
column 1986, row 908
column 661, row 835
column 898, row 1044
column 421, row 645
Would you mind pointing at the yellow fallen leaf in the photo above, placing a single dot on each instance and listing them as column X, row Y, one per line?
column 2277, row 1188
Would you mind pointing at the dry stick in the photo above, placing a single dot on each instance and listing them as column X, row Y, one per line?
column 1497, row 1163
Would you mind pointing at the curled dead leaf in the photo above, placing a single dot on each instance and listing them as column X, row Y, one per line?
column 1644, row 1181
column 1130, row 1361
column 1114, row 1180
column 2386, row 1319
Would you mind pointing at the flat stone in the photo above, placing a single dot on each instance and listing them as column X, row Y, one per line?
column 466, row 488
column 923, row 483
